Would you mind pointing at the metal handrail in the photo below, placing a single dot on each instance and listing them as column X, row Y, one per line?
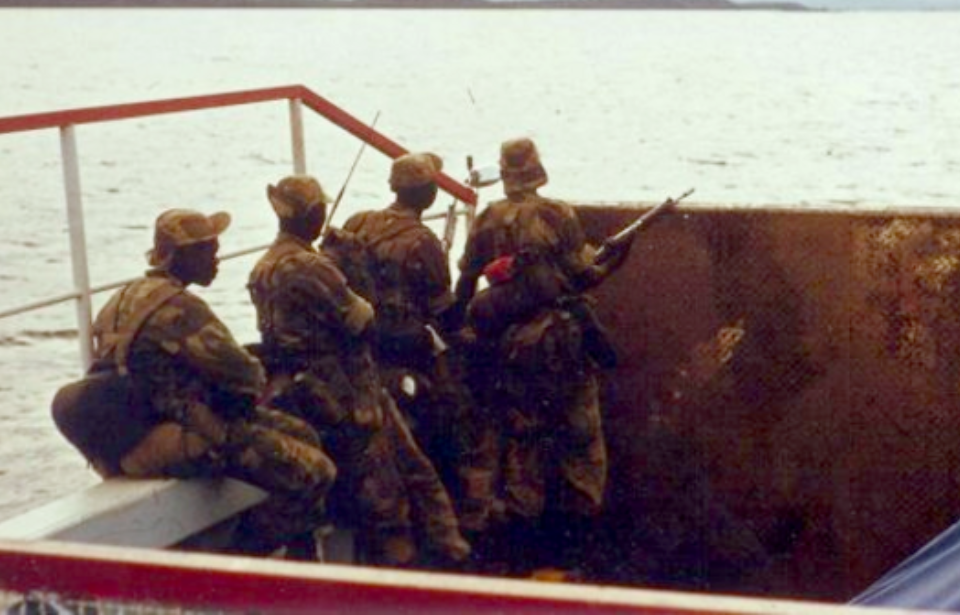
column 309, row 98
column 66, row 121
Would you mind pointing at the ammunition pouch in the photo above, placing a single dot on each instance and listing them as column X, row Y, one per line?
column 104, row 415
column 596, row 340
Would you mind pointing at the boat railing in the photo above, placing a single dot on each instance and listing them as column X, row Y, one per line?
column 297, row 96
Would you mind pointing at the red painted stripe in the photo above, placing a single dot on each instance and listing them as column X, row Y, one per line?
column 199, row 581
column 379, row 141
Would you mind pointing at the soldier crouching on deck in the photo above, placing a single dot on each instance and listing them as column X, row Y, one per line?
column 535, row 366
column 315, row 333
column 202, row 388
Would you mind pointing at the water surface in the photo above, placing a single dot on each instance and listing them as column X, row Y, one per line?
column 847, row 110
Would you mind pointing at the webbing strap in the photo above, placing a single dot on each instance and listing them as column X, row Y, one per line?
column 126, row 334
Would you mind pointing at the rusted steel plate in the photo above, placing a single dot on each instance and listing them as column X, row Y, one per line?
column 785, row 416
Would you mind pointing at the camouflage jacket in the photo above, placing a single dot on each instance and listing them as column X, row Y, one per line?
column 532, row 224
column 183, row 353
column 311, row 321
column 410, row 267
column 303, row 302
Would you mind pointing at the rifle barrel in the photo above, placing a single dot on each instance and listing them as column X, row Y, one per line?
column 645, row 218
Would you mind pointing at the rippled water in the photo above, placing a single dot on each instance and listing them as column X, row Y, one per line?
column 844, row 110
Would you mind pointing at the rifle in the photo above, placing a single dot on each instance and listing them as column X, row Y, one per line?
column 346, row 182
column 614, row 244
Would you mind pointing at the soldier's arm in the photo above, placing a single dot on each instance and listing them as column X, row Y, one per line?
column 355, row 222
column 576, row 256
column 475, row 257
column 326, row 291
column 431, row 274
column 188, row 328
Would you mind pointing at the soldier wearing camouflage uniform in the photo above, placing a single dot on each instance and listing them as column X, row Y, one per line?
column 202, row 387
column 314, row 330
column 532, row 364
column 413, row 297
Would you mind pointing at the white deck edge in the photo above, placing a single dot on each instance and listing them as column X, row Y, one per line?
column 135, row 512
column 512, row 593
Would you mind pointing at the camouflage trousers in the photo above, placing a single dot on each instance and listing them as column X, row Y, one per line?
column 453, row 431
column 387, row 489
column 558, row 465
column 271, row 449
column 542, row 390
column 432, row 510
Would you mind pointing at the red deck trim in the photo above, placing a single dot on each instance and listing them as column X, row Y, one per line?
column 191, row 580
column 336, row 115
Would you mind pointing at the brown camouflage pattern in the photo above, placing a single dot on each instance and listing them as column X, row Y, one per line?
column 203, row 385
column 442, row 415
column 176, row 228
column 411, row 170
column 527, row 222
column 520, row 166
column 422, row 282
column 387, row 487
column 541, row 389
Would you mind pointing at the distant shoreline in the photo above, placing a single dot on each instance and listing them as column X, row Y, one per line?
column 418, row 4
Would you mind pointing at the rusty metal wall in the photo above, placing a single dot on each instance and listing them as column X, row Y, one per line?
column 785, row 417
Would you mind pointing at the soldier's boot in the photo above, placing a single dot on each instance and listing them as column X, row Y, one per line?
column 251, row 538
column 303, row 548
column 396, row 549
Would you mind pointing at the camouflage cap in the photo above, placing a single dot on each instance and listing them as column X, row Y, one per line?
column 295, row 195
column 176, row 228
column 520, row 165
column 411, row 170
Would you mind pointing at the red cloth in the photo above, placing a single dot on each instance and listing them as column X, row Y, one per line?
column 499, row 270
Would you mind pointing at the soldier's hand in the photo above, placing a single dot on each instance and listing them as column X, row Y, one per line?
column 613, row 253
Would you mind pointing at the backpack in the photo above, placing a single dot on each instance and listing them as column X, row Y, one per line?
column 106, row 413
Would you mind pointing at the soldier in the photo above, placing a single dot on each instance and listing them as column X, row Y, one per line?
column 315, row 332
column 536, row 360
column 411, row 289
column 202, row 388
